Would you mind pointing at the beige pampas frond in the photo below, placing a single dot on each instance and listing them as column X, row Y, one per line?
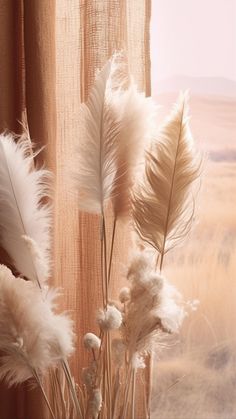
column 163, row 205
column 32, row 337
column 25, row 221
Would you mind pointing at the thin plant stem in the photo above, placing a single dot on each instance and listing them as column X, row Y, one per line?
column 116, row 392
column 149, row 383
column 109, row 380
column 101, row 261
column 112, row 248
column 133, row 394
column 127, row 390
column 158, row 255
column 72, row 387
column 161, row 262
column 107, row 355
column 37, row 378
column 94, row 355
column 105, row 257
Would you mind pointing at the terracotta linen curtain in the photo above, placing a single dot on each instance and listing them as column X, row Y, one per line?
column 49, row 53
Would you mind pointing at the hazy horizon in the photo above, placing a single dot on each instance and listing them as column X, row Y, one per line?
column 193, row 39
column 217, row 86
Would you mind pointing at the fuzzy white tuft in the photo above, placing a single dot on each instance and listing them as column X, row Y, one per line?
column 109, row 318
column 137, row 361
column 91, row 341
column 32, row 336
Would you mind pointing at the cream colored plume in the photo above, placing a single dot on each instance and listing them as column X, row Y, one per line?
column 163, row 204
column 137, row 113
column 32, row 337
column 24, row 220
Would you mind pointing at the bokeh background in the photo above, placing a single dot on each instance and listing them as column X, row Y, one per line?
column 193, row 46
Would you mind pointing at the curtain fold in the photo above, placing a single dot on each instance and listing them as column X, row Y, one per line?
column 12, row 99
column 47, row 68
column 40, row 73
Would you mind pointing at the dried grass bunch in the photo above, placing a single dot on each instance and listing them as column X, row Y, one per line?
column 149, row 177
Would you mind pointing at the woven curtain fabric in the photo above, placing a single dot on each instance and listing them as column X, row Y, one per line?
column 50, row 51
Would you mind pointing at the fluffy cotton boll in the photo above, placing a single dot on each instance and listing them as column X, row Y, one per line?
column 91, row 341
column 32, row 337
column 95, row 403
column 124, row 294
column 147, row 286
column 171, row 310
column 137, row 361
column 110, row 318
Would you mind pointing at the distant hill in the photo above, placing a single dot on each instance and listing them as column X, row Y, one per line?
column 197, row 85
column 213, row 122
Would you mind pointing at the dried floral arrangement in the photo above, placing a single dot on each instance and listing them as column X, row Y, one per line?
column 149, row 176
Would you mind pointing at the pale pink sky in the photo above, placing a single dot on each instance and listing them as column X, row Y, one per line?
column 195, row 38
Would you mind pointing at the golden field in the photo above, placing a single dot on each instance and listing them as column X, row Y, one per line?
column 196, row 377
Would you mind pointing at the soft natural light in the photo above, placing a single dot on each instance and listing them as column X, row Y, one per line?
column 193, row 39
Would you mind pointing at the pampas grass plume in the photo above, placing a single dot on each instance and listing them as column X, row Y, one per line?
column 163, row 204
column 32, row 336
column 23, row 215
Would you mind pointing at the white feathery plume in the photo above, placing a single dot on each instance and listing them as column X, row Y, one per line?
column 97, row 145
column 163, row 204
column 24, row 220
column 32, row 337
